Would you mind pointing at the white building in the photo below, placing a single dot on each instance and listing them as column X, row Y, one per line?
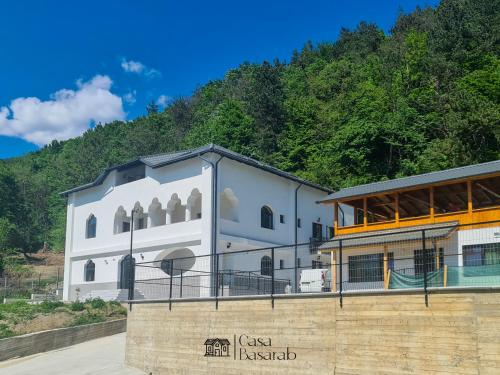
column 175, row 197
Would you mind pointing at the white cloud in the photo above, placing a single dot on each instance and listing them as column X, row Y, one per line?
column 67, row 114
column 137, row 67
column 130, row 97
column 163, row 100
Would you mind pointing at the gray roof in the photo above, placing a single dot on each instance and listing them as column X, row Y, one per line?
column 160, row 160
column 432, row 231
column 418, row 180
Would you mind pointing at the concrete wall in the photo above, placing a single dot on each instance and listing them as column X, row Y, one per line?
column 40, row 342
column 387, row 333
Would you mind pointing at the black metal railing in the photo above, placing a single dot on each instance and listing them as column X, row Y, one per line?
column 418, row 258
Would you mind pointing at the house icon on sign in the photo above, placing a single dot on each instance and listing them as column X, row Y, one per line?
column 217, row 347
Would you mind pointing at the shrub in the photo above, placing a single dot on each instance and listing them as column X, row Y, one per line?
column 49, row 306
column 96, row 303
column 87, row 318
column 5, row 331
column 77, row 306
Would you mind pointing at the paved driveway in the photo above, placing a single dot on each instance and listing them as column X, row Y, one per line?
column 104, row 356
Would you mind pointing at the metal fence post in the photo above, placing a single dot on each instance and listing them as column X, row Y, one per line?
column 171, row 283
column 424, row 253
column 272, row 277
column 295, row 268
column 217, row 281
column 180, row 291
column 340, row 273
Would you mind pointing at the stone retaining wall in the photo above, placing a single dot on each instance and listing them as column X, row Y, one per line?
column 44, row 341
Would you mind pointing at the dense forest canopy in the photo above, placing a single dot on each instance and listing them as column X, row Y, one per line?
column 367, row 107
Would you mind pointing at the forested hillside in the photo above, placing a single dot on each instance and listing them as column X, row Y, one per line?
column 366, row 107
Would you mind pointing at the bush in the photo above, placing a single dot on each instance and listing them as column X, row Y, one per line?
column 5, row 331
column 77, row 306
column 49, row 306
column 96, row 303
column 87, row 318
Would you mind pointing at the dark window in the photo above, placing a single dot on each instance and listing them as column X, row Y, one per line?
column 368, row 267
column 330, row 233
column 481, row 254
column 91, row 227
column 317, row 264
column 317, row 230
column 282, row 264
column 266, row 266
column 125, row 272
column 90, row 271
column 282, row 219
column 125, row 226
column 418, row 257
column 299, row 223
column 266, row 217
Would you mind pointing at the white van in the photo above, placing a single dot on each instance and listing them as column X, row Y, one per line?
column 314, row 281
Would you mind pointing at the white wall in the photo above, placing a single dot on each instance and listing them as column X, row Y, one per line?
column 255, row 188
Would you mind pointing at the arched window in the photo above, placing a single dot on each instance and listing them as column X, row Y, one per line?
column 157, row 214
column 193, row 206
column 89, row 271
column 266, row 266
column 91, row 227
column 266, row 217
column 122, row 221
column 176, row 211
column 140, row 218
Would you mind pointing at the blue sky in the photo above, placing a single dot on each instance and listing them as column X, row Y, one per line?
column 65, row 65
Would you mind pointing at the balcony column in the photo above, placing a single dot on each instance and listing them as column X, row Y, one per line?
column 431, row 203
column 333, row 261
column 168, row 217
column 469, row 198
column 365, row 213
column 396, row 208
column 335, row 217
column 188, row 212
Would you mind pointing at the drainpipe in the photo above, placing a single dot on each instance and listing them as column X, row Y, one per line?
column 296, row 235
column 213, row 219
